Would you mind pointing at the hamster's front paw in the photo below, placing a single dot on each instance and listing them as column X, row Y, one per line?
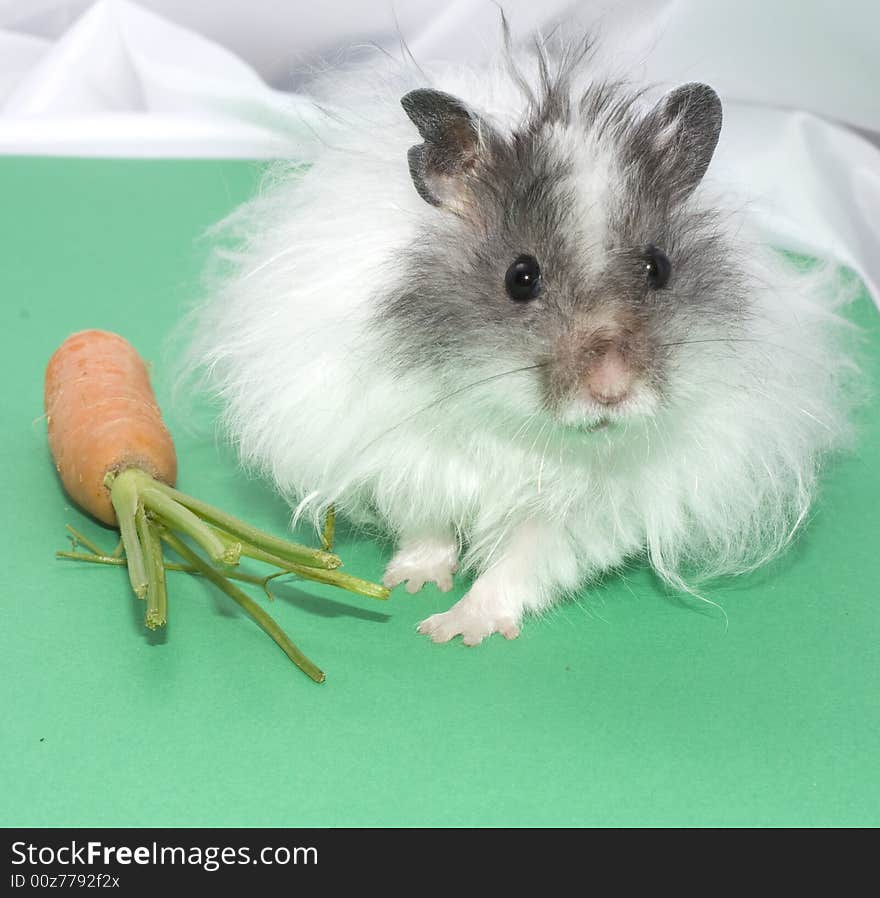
column 474, row 617
column 432, row 560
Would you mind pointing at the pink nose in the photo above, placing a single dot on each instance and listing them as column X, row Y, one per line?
column 608, row 379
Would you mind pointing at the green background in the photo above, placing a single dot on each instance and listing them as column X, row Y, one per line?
column 626, row 707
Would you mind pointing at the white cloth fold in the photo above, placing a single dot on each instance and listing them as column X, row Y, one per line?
column 124, row 81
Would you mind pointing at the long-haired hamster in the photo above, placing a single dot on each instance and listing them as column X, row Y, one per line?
column 503, row 317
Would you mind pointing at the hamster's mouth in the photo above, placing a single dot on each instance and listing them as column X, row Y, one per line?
column 590, row 417
column 589, row 424
column 587, row 420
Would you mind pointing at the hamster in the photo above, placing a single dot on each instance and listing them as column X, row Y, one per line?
column 501, row 317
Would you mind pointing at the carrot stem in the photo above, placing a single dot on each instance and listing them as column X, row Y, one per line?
column 332, row 577
column 249, row 605
column 341, row 580
column 180, row 518
column 115, row 561
column 282, row 548
column 83, row 540
column 329, row 531
column 161, row 603
column 146, row 490
column 124, row 496
column 157, row 603
column 94, row 559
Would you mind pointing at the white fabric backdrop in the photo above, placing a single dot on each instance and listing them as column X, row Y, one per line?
column 799, row 81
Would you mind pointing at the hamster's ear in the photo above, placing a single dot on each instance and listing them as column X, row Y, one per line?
column 456, row 143
column 679, row 136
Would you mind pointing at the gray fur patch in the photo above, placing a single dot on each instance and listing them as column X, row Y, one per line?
column 456, row 142
column 448, row 311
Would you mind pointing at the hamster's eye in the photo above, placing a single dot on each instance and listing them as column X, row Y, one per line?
column 523, row 279
column 658, row 268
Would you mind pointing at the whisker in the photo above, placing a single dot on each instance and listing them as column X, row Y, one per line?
column 456, row 392
column 723, row 340
column 767, row 343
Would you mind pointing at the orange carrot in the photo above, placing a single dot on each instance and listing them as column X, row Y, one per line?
column 116, row 459
column 103, row 418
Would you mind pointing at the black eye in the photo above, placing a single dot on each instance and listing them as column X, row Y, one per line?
column 523, row 279
column 658, row 268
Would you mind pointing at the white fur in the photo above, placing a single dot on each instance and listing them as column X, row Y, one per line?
column 714, row 480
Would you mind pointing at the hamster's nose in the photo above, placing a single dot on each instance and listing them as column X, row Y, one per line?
column 609, row 378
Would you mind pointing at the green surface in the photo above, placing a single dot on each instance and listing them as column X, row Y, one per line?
column 627, row 707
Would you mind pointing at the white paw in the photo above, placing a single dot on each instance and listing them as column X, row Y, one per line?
column 471, row 619
column 425, row 561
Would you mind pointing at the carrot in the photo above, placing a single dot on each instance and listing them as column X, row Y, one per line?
column 116, row 459
column 102, row 416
